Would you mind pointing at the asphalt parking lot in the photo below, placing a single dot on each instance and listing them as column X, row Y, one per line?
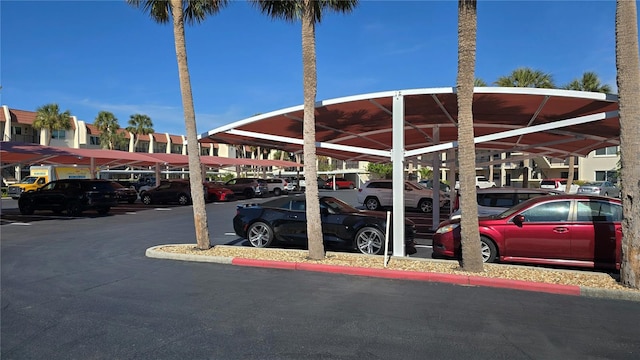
column 220, row 217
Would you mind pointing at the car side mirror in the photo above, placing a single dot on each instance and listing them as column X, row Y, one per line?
column 518, row 220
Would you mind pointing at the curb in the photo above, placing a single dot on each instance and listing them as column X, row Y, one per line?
column 465, row 280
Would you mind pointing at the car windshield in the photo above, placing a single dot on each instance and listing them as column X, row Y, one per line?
column 593, row 184
column 512, row 210
column 336, row 205
column 29, row 180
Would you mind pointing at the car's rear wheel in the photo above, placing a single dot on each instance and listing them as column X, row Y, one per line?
column 488, row 250
column 183, row 199
column 248, row 193
column 74, row 208
column 426, row 205
column 260, row 235
column 146, row 199
column 26, row 207
column 372, row 203
column 370, row 241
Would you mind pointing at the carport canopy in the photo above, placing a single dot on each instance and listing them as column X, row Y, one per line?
column 403, row 124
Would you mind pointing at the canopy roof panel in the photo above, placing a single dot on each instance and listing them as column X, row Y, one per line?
column 550, row 122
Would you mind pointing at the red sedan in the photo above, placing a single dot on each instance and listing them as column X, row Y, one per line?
column 217, row 192
column 341, row 183
column 569, row 230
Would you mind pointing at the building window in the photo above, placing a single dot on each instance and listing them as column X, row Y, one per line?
column 565, row 175
column 608, row 175
column 608, row 151
column 94, row 140
column 16, row 130
column 58, row 134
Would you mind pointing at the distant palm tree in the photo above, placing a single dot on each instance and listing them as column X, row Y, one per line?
column 470, row 237
column 310, row 13
column 139, row 125
column 628, row 78
column 48, row 117
column 479, row 82
column 588, row 82
column 110, row 137
column 192, row 11
column 526, row 77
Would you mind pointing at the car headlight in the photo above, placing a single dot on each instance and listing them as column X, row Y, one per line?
column 447, row 228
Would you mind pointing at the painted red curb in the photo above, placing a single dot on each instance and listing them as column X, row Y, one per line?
column 413, row 275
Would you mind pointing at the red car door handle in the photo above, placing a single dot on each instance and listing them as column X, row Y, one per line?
column 560, row 229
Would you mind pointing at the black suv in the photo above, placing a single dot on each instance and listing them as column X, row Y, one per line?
column 71, row 195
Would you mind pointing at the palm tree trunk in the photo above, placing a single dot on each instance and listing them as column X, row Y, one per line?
column 314, row 228
column 572, row 161
column 628, row 68
column 471, row 256
column 195, row 165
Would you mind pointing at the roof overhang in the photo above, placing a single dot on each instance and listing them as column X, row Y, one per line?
column 549, row 122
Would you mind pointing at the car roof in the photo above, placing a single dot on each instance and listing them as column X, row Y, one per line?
column 572, row 197
column 503, row 190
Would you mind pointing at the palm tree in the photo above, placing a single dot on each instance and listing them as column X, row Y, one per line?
column 470, row 237
column 589, row 82
column 107, row 123
column 139, row 125
column 48, row 117
column 628, row 79
column 526, row 77
column 479, row 83
column 310, row 13
column 193, row 11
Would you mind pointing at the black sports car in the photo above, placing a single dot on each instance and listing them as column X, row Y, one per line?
column 343, row 226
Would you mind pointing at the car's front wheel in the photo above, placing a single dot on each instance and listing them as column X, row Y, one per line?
column 248, row 193
column 277, row 192
column 426, row 205
column 488, row 250
column 372, row 203
column 260, row 235
column 146, row 199
column 370, row 241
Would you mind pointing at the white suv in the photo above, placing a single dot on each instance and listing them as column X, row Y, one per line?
column 376, row 194
column 481, row 183
column 277, row 186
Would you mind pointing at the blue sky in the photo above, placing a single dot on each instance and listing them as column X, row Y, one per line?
column 90, row 56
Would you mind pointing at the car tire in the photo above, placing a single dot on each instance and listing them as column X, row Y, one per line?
column 146, row 199
column 248, row 193
column 26, row 207
column 183, row 199
column 74, row 208
column 370, row 241
column 104, row 210
column 372, row 203
column 488, row 250
column 277, row 192
column 425, row 205
column 260, row 235
column 351, row 186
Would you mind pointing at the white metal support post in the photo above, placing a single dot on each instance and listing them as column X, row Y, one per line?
column 397, row 159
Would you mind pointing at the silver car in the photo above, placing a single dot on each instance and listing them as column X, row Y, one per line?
column 495, row 200
column 602, row 188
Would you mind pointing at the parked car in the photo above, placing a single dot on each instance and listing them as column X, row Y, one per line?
column 428, row 183
column 340, row 183
column 173, row 191
column 144, row 181
column 300, row 183
column 248, row 187
column 124, row 193
column 150, row 185
column 492, row 201
column 71, row 195
column 343, row 226
column 277, row 186
column 564, row 230
column 558, row 184
column 378, row 194
column 216, row 192
column 602, row 188
column 481, row 183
